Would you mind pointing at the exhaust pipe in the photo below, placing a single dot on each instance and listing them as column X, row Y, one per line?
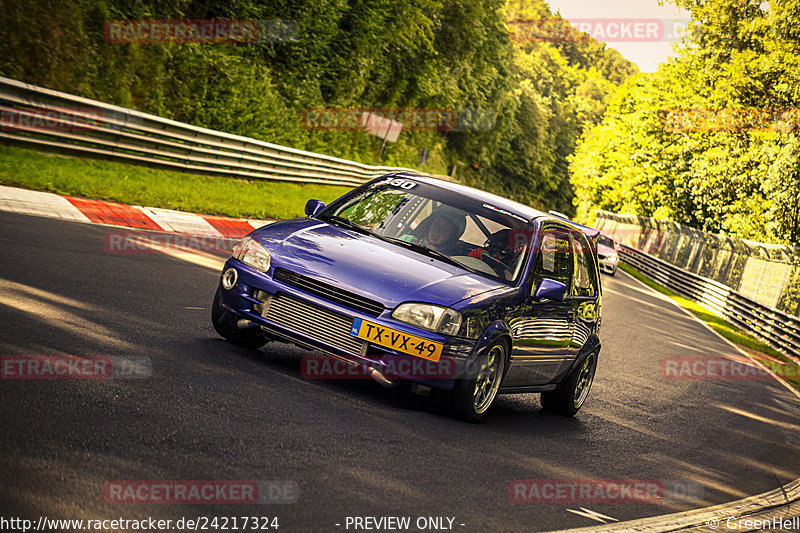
column 380, row 378
column 244, row 324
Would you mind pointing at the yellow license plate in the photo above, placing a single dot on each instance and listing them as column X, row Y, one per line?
column 396, row 340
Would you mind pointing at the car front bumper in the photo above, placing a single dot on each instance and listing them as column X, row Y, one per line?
column 287, row 312
column 607, row 265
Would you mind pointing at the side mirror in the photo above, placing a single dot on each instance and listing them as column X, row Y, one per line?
column 551, row 289
column 313, row 207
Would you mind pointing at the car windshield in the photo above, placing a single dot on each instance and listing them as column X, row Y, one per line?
column 605, row 241
column 473, row 235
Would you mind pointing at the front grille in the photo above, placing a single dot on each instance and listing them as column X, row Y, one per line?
column 313, row 321
column 329, row 292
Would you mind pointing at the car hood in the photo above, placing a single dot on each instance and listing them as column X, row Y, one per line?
column 605, row 250
column 366, row 265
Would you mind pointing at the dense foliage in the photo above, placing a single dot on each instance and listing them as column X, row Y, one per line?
column 521, row 105
column 730, row 164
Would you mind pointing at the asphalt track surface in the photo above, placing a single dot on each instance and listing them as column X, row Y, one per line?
column 214, row 411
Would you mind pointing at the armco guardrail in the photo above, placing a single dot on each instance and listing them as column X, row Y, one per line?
column 778, row 329
column 766, row 273
column 47, row 119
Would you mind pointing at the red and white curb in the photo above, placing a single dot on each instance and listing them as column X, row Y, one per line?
column 52, row 205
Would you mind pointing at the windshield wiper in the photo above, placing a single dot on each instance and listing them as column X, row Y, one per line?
column 346, row 222
column 427, row 251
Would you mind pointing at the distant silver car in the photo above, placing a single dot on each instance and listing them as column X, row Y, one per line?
column 607, row 255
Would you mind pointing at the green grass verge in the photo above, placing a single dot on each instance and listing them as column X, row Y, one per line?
column 721, row 326
column 139, row 185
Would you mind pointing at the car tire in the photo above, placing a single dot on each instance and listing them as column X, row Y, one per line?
column 473, row 395
column 568, row 399
column 225, row 324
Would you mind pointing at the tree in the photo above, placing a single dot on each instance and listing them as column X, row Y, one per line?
column 719, row 159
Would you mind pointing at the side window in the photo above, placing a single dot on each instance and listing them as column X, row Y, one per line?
column 555, row 258
column 583, row 283
column 564, row 260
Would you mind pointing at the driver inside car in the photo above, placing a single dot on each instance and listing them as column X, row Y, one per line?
column 497, row 253
column 444, row 227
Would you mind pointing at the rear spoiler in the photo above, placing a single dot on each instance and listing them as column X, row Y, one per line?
column 592, row 233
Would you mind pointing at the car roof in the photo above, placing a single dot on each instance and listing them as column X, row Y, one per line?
column 517, row 208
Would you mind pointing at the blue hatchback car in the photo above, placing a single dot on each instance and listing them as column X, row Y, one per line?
column 492, row 296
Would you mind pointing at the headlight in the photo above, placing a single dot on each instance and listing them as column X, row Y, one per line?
column 251, row 252
column 431, row 317
column 613, row 258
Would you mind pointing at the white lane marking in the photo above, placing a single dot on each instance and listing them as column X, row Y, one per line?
column 181, row 222
column 700, row 348
column 712, row 330
column 196, row 257
column 592, row 515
